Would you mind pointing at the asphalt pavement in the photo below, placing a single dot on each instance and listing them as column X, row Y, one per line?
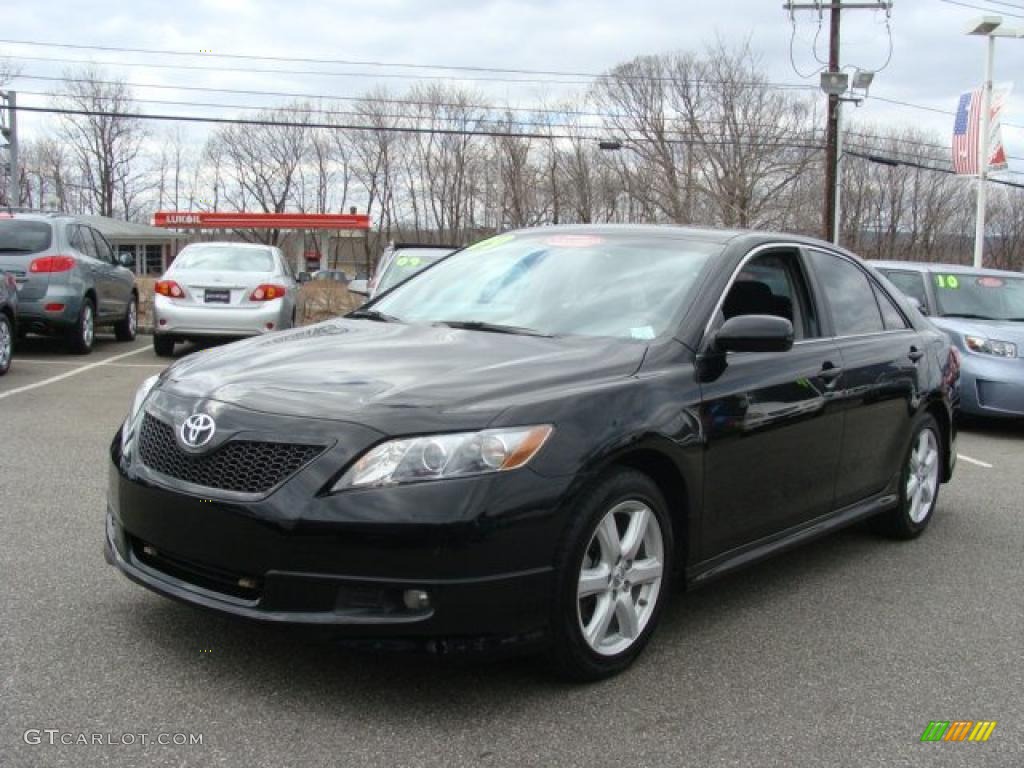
column 837, row 654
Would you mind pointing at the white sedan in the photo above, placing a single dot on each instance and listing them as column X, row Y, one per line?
column 223, row 289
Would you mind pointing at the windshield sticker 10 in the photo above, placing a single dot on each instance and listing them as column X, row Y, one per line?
column 947, row 281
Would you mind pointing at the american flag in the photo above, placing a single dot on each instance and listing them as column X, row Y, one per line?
column 966, row 130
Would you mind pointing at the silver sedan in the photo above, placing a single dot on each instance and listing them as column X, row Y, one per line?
column 223, row 289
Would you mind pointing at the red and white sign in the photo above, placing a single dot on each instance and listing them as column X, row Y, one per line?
column 222, row 220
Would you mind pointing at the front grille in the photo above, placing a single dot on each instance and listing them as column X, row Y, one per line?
column 243, row 466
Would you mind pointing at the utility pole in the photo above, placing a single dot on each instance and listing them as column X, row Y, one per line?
column 832, row 135
column 9, row 130
column 832, row 148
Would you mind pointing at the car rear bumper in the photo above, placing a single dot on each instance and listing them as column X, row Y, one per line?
column 993, row 388
column 34, row 317
column 174, row 318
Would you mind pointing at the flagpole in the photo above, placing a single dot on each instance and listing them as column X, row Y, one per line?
column 983, row 153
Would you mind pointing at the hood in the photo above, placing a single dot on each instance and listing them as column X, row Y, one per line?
column 1002, row 330
column 385, row 374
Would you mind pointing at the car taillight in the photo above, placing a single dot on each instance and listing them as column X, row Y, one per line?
column 52, row 264
column 169, row 288
column 267, row 292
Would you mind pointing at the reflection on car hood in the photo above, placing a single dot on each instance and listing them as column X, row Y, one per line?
column 1003, row 330
column 388, row 375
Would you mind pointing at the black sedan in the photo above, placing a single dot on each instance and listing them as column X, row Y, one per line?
column 520, row 445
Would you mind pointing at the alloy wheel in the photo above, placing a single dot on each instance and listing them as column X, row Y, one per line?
column 620, row 578
column 87, row 325
column 6, row 344
column 923, row 475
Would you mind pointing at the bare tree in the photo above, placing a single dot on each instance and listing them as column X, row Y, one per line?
column 106, row 138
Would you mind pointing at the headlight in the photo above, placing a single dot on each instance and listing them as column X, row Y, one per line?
column 435, row 457
column 985, row 346
column 140, row 398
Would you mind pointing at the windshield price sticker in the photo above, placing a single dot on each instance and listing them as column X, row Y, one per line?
column 947, row 281
column 990, row 282
column 574, row 241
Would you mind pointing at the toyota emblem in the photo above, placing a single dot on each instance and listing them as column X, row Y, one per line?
column 198, row 430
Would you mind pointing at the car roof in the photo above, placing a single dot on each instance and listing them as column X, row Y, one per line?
column 932, row 267
column 230, row 244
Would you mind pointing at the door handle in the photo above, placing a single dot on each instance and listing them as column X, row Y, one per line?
column 830, row 374
column 915, row 354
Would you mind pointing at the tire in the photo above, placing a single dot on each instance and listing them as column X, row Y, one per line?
column 127, row 327
column 919, row 483
column 587, row 638
column 82, row 334
column 6, row 343
column 163, row 345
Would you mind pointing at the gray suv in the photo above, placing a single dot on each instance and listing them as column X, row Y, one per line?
column 69, row 279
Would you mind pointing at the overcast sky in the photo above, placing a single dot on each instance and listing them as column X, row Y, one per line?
column 932, row 60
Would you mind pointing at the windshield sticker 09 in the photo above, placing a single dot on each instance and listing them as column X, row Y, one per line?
column 947, row 281
column 409, row 261
column 491, row 242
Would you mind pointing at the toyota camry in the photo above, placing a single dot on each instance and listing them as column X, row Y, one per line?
column 520, row 446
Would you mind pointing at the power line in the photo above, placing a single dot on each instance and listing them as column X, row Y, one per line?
column 979, row 8
column 881, row 159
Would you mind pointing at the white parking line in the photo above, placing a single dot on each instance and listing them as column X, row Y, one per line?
column 68, row 374
column 23, row 361
column 978, row 462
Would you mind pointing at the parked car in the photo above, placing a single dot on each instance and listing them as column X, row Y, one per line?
column 400, row 262
column 223, row 290
column 69, row 280
column 520, row 445
column 335, row 275
column 982, row 310
column 8, row 319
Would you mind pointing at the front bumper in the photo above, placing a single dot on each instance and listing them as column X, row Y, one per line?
column 992, row 387
column 481, row 548
column 174, row 318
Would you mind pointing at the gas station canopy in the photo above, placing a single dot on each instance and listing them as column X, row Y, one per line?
column 224, row 220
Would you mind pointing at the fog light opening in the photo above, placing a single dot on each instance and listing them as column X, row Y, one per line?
column 151, row 551
column 247, row 583
column 416, row 599
column 163, row 322
column 54, row 308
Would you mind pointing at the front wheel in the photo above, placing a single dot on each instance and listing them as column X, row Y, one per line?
column 126, row 328
column 919, row 483
column 82, row 334
column 611, row 577
column 6, row 344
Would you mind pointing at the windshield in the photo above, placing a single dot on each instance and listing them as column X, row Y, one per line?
column 405, row 264
column 225, row 259
column 24, row 236
column 622, row 285
column 992, row 297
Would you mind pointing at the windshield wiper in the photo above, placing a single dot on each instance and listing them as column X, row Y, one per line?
column 373, row 314
column 16, row 250
column 968, row 315
column 480, row 325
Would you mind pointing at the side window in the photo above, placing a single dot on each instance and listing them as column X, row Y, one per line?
column 910, row 283
column 891, row 316
column 773, row 284
column 82, row 241
column 103, row 249
column 848, row 293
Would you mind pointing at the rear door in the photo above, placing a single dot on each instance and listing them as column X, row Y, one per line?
column 772, row 429
column 880, row 383
column 22, row 240
column 114, row 281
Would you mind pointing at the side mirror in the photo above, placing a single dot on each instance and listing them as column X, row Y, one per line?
column 126, row 260
column 754, row 333
column 359, row 287
column 916, row 304
column 302, row 277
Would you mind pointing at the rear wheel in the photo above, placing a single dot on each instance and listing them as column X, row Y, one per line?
column 127, row 327
column 163, row 345
column 611, row 577
column 6, row 344
column 919, row 483
column 81, row 335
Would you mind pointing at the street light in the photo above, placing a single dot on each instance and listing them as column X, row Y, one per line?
column 847, row 89
column 990, row 27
